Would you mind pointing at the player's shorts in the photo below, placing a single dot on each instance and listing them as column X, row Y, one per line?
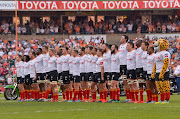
column 77, row 79
column 90, row 75
column 166, row 76
column 23, row 80
column 82, row 76
column 19, row 80
column 32, row 80
column 86, row 78
column 149, row 77
column 116, row 76
column 144, row 75
column 71, row 77
column 65, row 77
column 40, row 76
column 45, row 75
column 59, row 76
column 53, row 75
column 97, row 78
column 131, row 74
column 107, row 76
column 139, row 72
column 27, row 79
column 123, row 69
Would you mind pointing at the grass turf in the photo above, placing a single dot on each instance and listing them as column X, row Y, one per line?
column 82, row 110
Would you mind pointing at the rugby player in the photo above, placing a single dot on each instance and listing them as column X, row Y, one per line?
column 131, row 75
column 19, row 73
column 123, row 65
column 115, row 61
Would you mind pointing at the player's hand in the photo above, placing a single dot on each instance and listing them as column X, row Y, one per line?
column 102, row 78
column 35, row 79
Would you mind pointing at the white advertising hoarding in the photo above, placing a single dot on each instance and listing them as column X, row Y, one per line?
column 162, row 35
column 7, row 5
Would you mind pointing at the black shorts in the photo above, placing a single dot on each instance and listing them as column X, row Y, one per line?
column 19, row 80
column 144, row 75
column 45, row 75
column 123, row 69
column 40, row 76
column 86, row 78
column 131, row 74
column 23, row 80
column 53, row 75
column 82, row 76
column 32, row 80
column 77, row 79
column 148, row 77
column 65, row 77
column 59, row 76
column 107, row 76
column 71, row 77
column 116, row 76
column 90, row 75
column 166, row 76
column 27, row 80
column 139, row 72
column 97, row 78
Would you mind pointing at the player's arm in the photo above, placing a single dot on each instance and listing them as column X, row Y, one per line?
column 164, row 68
column 154, row 71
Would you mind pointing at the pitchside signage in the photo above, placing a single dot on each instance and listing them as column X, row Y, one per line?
column 93, row 5
column 7, row 5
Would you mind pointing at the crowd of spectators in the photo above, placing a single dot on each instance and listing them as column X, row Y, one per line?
column 84, row 26
column 8, row 50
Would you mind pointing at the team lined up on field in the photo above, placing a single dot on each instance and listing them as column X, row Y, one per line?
column 82, row 71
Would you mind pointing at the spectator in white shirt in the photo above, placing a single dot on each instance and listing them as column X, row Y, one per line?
column 23, row 30
column 56, row 29
column 42, row 30
column 130, row 26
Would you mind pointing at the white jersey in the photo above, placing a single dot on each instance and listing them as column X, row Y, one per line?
column 45, row 62
column 32, row 68
column 52, row 66
column 75, row 66
column 86, row 62
column 115, row 62
column 144, row 60
column 59, row 64
column 159, row 58
column 99, row 63
column 39, row 64
column 131, row 60
column 82, row 64
column 139, row 52
column 22, row 69
column 177, row 70
column 150, row 63
column 70, row 64
column 122, row 55
column 94, row 60
column 65, row 64
column 26, row 68
column 19, row 66
column 89, row 63
column 107, row 61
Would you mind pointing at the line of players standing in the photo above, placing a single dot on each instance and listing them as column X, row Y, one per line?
column 83, row 71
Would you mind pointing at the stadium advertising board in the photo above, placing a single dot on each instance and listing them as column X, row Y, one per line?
column 7, row 5
column 172, row 35
column 93, row 5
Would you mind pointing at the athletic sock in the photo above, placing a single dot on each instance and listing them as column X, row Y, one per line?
column 162, row 96
column 101, row 94
column 118, row 94
column 75, row 94
column 105, row 94
column 141, row 94
column 40, row 95
column 80, row 94
column 21, row 95
column 36, row 94
column 67, row 94
column 44, row 94
column 57, row 97
column 150, row 95
column 128, row 94
column 64, row 97
column 92, row 95
column 47, row 94
column 157, row 95
column 33, row 94
column 168, row 94
column 88, row 91
column 111, row 93
column 52, row 94
column 95, row 95
column 29, row 92
column 71, row 94
column 132, row 95
column 136, row 94
column 25, row 94
column 84, row 94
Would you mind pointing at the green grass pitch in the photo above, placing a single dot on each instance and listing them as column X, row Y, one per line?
column 83, row 110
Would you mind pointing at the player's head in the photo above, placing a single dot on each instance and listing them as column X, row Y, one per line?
column 138, row 43
column 32, row 55
column 65, row 50
column 18, row 58
column 70, row 50
column 130, row 46
column 114, row 49
column 51, row 52
column 150, row 50
column 75, row 52
column 59, row 52
column 105, row 47
column 124, row 39
column 144, row 45
column 45, row 49
column 90, row 48
column 94, row 51
column 26, row 58
column 86, row 50
column 82, row 51
column 38, row 51
column 99, row 52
